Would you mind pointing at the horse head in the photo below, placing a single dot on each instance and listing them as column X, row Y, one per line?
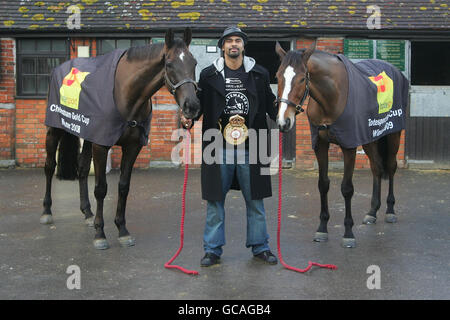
column 180, row 72
column 293, row 85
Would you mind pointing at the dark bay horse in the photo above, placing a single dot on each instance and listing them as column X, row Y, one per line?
column 141, row 71
column 323, row 77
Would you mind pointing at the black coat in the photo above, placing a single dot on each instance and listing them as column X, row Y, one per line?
column 212, row 99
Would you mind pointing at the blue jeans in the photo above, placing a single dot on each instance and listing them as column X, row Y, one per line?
column 214, row 235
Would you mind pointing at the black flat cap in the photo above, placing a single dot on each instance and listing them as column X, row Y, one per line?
column 232, row 31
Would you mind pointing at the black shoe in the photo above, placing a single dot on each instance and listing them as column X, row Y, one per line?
column 267, row 257
column 210, row 259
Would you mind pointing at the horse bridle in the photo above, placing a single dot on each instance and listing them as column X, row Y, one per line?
column 173, row 87
column 298, row 107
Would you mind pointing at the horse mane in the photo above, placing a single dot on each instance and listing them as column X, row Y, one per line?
column 295, row 57
column 149, row 51
column 146, row 52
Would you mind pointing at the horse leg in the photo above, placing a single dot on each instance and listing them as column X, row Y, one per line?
column 129, row 155
column 321, row 152
column 51, row 145
column 393, row 141
column 377, row 170
column 100, row 153
column 347, row 191
column 84, row 164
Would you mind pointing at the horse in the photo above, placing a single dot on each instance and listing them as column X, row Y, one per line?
column 323, row 77
column 140, row 72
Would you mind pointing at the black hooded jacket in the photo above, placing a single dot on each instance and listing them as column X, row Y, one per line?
column 212, row 100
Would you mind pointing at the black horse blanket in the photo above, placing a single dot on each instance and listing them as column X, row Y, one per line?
column 81, row 100
column 376, row 104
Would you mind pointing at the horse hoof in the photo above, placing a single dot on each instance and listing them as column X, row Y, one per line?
column 46, row 219
column 101, row 244
column 321, row 237
column 127, row 241
column 89, row 222
column 348, row 242
column 368, row 219
column 390, row 218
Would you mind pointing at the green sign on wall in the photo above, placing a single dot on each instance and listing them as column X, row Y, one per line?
column 392, row 51
column 358, row 48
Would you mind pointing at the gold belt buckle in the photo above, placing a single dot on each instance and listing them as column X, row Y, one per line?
column 235, row 131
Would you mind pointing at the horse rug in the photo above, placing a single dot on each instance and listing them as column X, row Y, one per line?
column 81, row 101
column 376, row 104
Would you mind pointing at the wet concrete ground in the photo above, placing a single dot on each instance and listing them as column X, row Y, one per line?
column 413, row 255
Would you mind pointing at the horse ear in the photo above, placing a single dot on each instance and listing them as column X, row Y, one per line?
column 279, row 50
column 308, row 52
column 169, row 38
column 187, row 36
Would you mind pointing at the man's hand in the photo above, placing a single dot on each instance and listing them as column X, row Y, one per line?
column 186, row 123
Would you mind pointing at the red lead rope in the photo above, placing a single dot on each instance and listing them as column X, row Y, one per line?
column 280, row 180
column 183, row 211
column 183, row 206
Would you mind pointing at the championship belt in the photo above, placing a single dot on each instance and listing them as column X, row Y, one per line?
column 235, row 131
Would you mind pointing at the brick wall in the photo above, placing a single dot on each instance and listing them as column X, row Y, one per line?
column 7, row 102
column 165, row 120
column 6, row 133
column 30, row 132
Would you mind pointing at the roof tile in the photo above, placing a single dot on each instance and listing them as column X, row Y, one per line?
column 214, row 15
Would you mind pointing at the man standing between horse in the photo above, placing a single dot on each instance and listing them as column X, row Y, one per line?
column 235, row 97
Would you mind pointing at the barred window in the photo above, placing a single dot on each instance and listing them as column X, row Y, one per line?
column 36, row 59
column 108, row 45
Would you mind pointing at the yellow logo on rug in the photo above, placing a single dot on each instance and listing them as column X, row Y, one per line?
column 385, row 93
column 71, row 88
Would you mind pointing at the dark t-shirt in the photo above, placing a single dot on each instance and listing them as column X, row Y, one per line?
column 236, row 97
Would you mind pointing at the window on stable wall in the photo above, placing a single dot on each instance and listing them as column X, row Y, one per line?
column 108, row 45
column 36, row 59
column 429, row 63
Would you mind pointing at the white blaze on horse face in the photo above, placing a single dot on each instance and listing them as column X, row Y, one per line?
column 182, row 56
column 288, row 75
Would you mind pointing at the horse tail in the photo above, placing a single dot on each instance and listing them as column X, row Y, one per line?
column 383, row 150
column 69, row 150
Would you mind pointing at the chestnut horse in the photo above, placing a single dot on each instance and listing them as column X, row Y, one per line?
column 323, row 77
column 141, row 71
